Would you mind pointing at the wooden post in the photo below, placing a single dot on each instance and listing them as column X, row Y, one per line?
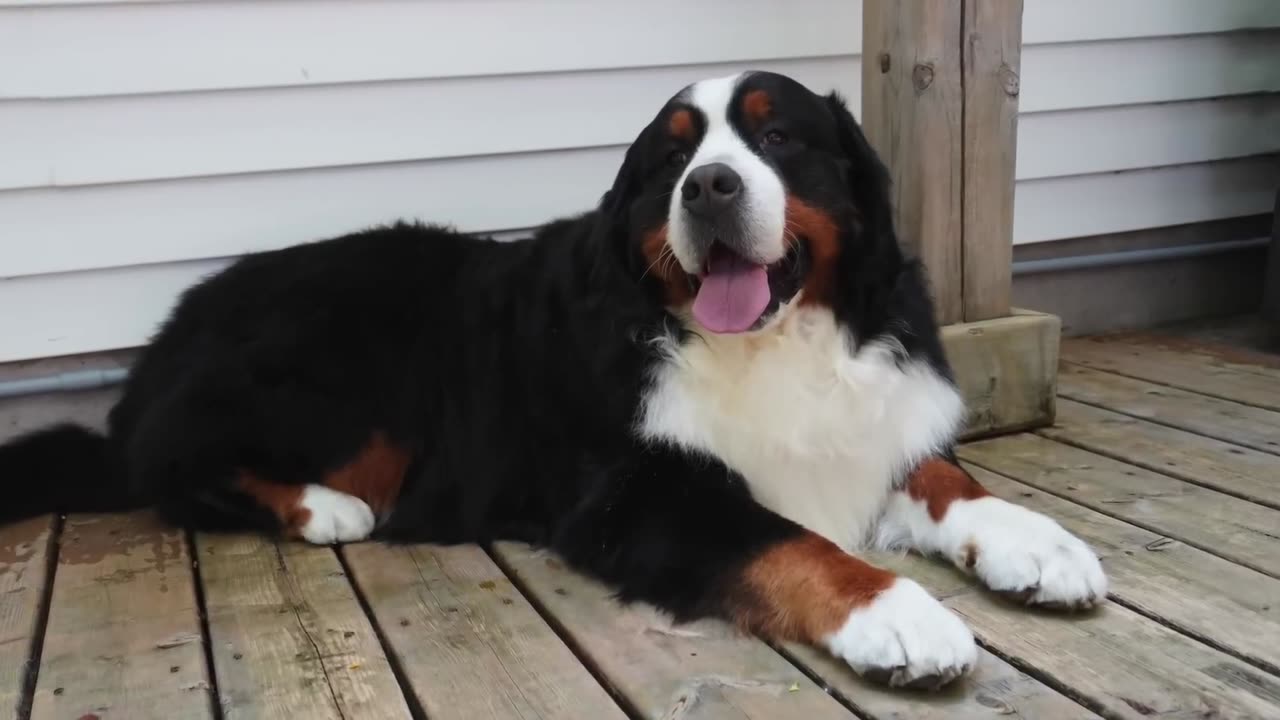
column 912, row 113
column 992, row 51
column 940, row 104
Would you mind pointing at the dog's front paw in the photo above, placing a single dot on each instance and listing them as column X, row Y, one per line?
column 1028, row 557
column 905, row 638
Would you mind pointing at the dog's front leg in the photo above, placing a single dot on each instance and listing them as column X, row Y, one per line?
column 684, row 534
column 941, row 509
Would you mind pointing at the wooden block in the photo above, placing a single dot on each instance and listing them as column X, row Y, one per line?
column 992, row 52
column 470, row 646
column 1220, row 524
column 1242, row 376
column 1212, row 417
column 25, row 548
column 694, row 671
column 1007, row 371
column 912, row 112
column 123, row 637
column 1214, row 600
column 1239, row 471
column 288, row 636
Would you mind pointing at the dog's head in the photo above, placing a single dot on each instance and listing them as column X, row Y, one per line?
column 749, row 194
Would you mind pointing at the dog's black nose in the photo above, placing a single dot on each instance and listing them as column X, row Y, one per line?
column 710, row 189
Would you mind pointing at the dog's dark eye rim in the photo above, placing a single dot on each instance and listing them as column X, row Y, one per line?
column 774, row 137
column 677, row 158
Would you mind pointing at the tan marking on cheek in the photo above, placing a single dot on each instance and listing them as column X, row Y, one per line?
column 821, row 234
column 939, row 483
column 661, row 263
column 804, row 590
column 283, row 500
column 756, row 107
column 375, row 475
column 680, row 125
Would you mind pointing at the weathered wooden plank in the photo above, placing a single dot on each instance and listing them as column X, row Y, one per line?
column 912, row 105
column 1240, row 375
column 1225, row 420
column 1006, row 370
column 1235, row 470
column 694, row 671
column 1111, row 659
column 123, row 637
column 1217, row 601
column 1223, row 525
column 994, row 689
column 288, row 636
column 24, row 574
column 469, row 644
column 992, row 53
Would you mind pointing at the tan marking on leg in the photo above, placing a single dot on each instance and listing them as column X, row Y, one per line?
column 940, row 483
column 804, row 589
column 375, row 475
column 282, row 499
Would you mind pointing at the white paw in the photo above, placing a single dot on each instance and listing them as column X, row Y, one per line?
column 1028, row 556
column 336, row 517
column 905, row 638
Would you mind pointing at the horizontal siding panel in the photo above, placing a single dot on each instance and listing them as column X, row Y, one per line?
column 91, row 311
column 62, row 229
column 146, row 137
column 1050, row 21
column 1137, row 136
column 1063, row 77
column 1083, row 205
column 148, row 48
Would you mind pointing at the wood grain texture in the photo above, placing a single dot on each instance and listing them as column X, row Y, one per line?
column 1112, row 659
column 289, row 638
column 1214, row 600
column 25, row 548
column 1006, row 369
column 469, row 644
column 694, row 671
column 992, row 53
column 1223, row 525
column 912, row 114
column 1212, row 417
column 1235, row 470
column 1218, row 371
column 123, row 637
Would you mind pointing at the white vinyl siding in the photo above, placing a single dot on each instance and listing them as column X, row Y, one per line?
column 143, row 144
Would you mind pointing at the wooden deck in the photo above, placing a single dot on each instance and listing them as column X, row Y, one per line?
column 1166, row 459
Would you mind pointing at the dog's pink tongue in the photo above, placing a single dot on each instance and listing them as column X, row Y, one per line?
column 733, row 295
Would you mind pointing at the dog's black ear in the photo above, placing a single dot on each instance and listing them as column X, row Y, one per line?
column 874, row 261
column 613, row 216
column 868, row 177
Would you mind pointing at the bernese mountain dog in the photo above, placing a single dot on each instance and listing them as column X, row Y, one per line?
column 707, row 392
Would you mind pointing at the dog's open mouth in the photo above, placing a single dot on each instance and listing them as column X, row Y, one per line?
column 735, row 295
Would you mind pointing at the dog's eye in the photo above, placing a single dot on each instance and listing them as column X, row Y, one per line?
column 677, row 158
column 774, row 137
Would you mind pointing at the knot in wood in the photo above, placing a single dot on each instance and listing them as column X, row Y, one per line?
column 884, row 62
column 1009, row 81
column 922, row 76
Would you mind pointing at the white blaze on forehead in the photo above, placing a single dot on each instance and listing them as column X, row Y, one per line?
column 763, row 203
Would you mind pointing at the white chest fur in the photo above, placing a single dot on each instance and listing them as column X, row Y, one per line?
column 819, row 431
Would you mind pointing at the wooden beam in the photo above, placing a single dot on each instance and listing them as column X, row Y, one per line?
column 940, row 104
column 992, row 51
column 912, row 113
